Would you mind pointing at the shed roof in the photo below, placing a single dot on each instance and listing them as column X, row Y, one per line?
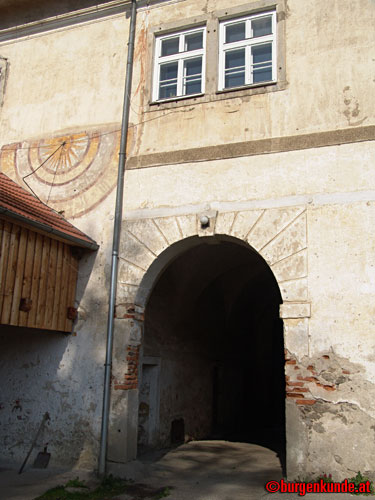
column 19, row 204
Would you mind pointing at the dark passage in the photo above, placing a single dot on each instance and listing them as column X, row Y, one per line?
column 212, row 325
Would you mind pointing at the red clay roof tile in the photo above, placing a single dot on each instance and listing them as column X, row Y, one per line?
column 19, row 202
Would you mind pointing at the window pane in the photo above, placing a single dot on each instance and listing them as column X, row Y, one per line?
column 235, row 59
column 169, row 46
column 235, row 80
column 235, row 32
column 262, row 75
column 168, row 71
column 262, row 26
column 262, row 53
column 167, row 91
column 193, row 66
column 194, row 41
column 193, row 87
column 262, row 63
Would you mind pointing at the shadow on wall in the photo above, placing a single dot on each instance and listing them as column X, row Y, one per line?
column 17, row 12
column 62, row 374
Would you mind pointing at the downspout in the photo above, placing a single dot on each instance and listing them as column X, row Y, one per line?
column 116, row 244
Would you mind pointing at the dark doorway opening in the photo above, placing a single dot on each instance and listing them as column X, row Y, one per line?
column 212, row 319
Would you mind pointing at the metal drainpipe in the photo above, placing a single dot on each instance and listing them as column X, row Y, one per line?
column 116, row 243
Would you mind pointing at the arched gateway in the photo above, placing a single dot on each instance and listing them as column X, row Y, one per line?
column 204, row 338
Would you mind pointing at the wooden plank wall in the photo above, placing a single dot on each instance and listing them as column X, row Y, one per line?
column 36, row 267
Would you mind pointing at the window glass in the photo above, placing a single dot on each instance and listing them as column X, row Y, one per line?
column 179, row 64
column 168, row 71
column 235, row 59
column 235, row 32
column 193, row 87
column 262, row 27
column 168, row 80
column 235, row 68
column 194, row 41
column 167, row 91
column 193, row 66
column 169, row 46
column 262, row 62
column 193, row 76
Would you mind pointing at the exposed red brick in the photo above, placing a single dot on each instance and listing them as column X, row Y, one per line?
column 291, row 362
column 131, row 386
column 287, row 377
column 296, row 367
column 329, row 388
column 131, row 375
column 346, row 372
column 293, row 389
column 294, row 395
column 325, row 356
column 297, row 384
column 305, row 401
column 307, row 379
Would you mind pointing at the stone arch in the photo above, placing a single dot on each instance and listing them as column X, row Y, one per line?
column 149, row 245
column 279, row 235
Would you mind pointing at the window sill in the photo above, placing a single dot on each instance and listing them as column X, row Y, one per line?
column 245, row 87
column 175, row 99
column 217, row 95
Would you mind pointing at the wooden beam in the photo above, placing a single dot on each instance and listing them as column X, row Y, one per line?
column 35, row 280
column 27, row 276
column 10, row 274
column 43, row 280
column 20, row 267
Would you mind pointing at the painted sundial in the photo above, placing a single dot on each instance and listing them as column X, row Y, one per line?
column 72, row 173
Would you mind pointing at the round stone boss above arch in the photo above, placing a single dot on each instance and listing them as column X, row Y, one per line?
column 279, row 235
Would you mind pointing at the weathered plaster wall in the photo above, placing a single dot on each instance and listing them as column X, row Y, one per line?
column 60, row 85
column 316, row 254
column 309, row 213
column 323, row 175
column 45, row 371
column 64, row 79
column 323, row 92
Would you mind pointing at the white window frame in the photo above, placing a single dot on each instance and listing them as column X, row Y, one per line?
column 180, row 58
column 247, row 44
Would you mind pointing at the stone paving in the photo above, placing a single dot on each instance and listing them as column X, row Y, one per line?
column 200, row 470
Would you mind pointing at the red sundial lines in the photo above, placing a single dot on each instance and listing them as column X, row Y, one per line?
column 72, row 173
column 72, row 153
